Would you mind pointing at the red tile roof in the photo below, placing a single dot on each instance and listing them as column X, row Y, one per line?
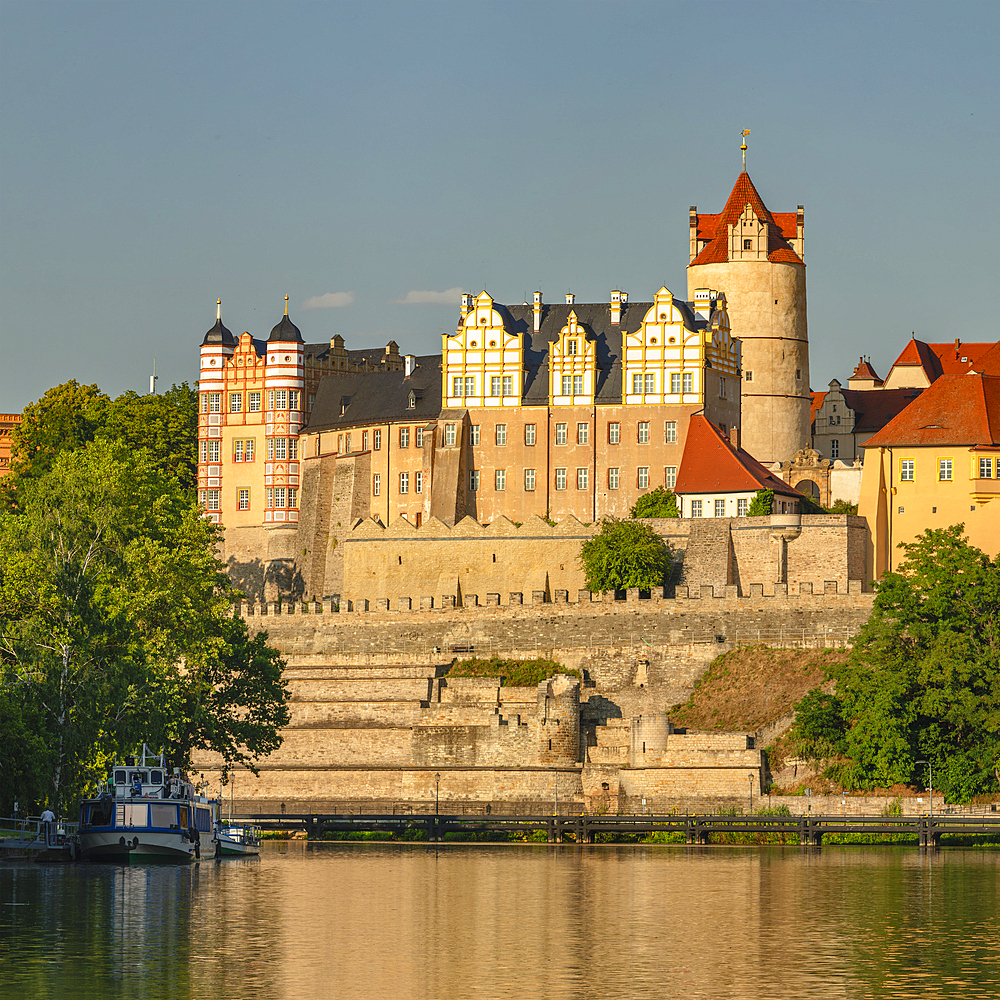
column 780, row 228
column 943, row 359
column 815, row 402
column 865, row 371
column 989, row 363
column 954, row 410
column 711, row 464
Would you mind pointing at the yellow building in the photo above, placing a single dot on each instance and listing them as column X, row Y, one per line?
column 936, row 464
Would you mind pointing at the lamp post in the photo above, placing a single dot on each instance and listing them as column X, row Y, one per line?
column 437, row 792
column 750, row 779
column 555, row 775
column 930, row 780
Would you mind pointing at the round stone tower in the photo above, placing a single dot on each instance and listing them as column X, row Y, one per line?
column 756, row 258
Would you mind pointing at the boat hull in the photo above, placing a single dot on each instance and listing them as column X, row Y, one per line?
column 228, row 849
column 136, row 847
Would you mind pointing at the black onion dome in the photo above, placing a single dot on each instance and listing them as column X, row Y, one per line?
column 219, row 335
column 286, row 330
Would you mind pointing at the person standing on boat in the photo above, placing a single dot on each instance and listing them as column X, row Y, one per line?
column 48, row 818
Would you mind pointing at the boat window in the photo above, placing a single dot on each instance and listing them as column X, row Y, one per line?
column 156, row 777
column 136, row 814
column 182, row 820
column 119, row 777
column 162, row 814
column 204, row 820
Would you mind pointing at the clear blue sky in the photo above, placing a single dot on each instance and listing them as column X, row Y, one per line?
column 155, row 157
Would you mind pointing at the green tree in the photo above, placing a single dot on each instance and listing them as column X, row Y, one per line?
column 114, row 620
column 843, row 507
column 625, row 554
column 660, row 502
column 923, row 679
column 761, row 504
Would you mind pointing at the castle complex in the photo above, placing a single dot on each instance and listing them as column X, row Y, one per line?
column 548, row 410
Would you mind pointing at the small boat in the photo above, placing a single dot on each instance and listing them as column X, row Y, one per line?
column 38, row 839
column 236, row 840
column 143, row 813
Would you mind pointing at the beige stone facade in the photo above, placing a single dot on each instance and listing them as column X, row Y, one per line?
column 8, row 424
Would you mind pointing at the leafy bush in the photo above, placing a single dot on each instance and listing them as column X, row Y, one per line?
column 625, row 554
column 512, row 673
column 658, row 503
column 762, row 503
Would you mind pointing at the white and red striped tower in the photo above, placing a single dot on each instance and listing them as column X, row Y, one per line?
column 284, row 415
column 216, row 349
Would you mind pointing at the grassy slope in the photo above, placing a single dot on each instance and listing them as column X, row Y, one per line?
column 753, row 686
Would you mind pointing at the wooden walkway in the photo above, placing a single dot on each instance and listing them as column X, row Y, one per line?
column 807, row 830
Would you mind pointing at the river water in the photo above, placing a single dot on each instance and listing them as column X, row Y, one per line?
column 401, row 921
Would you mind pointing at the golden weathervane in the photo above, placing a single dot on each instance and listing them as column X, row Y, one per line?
column 744, row 133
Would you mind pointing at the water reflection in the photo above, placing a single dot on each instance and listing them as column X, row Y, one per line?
column 400, row 921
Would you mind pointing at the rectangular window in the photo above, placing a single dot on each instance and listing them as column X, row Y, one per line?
column 670, row 476
column 449, row 434
column 237, row 451
column 376, row 440
column 688, row 382
column 213, row 499
column 213, row 451
column 643, row 432
column 501, row 434
column 986, row 468
column 500, row 479
column 643, row 477
column 270, row 399
column 696, row 508
column 582, row 433
column 675, row 382
column 293, row 403
column 281, row 448
column 906, row 467
column 834, row 448
column 457, row 383
column 670, row 432
column 741, row 507
column 293, row 448
column 204, row 402
column 418, row 436
column 561, row 433
column 529, row 480
column 270, row 449
column 281, row 399
column 473, row 480
column 614, row 433
column 748, row 376
column 293, row 498
column 473, row 435
column 340, row 446
column 202, row 497
column 495, row 385
column 214, row 402
column 364, row 441
column 404, row 482
column 269, row 494
column 312, row 400
column 236, row 402
column 636, row 382
column 508, row 385
column 253, row 402
column 248, row 451
column 582, row 479
column 404, row 437
column 571, row 346
column 347, row 444
column 650, row 380
column 578, row 385
column 470, row 385
column 567, row 385
column 376, row 485
column 279, row 497
column 529, row 435
column 243, row 499
column 613, row 477
column 722, row 388
column 202, row 451
column 418, row 482
column 560, row 479
column 944, row 470
column 720, row 508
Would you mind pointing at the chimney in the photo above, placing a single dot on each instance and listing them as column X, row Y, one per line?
column 616, row 307
column 693, row 225
column 800, row 231
column 734, row 437
column 570, row 299
column 538, row 311
column 957, row 344
column 409, row 363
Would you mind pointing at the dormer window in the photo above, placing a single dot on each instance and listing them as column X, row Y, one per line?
column 748, row 244
column 572, row 346
column 411, row 401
